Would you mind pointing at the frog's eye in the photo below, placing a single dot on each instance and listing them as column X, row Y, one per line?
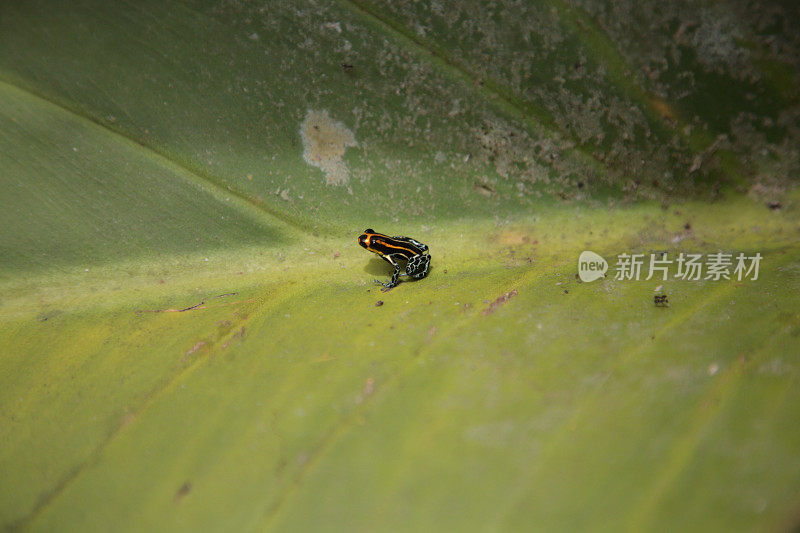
column 369, row 230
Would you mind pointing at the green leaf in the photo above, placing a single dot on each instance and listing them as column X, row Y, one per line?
column 190, row 336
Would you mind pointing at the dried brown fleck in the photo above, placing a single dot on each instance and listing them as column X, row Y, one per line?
column 499, row 301
column 196, row 347
column 183, row 491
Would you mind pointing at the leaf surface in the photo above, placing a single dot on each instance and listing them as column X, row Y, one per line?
column 189, row 333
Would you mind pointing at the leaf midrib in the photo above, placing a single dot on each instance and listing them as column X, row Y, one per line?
column 222, row 192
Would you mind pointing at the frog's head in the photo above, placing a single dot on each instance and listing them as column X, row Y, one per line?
column 364, row 238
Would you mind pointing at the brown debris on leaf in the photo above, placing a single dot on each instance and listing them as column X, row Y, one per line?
column 196, row 347
column 499, row 301
column 182, row 492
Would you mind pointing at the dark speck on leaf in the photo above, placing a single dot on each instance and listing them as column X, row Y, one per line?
column 183, row 491
column 484, row 188
column 379, row 303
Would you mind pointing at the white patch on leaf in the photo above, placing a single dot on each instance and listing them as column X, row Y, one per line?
column 324, row 144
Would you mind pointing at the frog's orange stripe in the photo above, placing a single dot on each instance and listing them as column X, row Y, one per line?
column 399, row 247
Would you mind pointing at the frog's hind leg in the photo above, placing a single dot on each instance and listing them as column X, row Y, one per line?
column 417, row 267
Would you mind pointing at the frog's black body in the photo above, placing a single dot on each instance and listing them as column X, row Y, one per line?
column 393, row 249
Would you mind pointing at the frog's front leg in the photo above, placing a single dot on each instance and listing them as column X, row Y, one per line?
column 393, row 282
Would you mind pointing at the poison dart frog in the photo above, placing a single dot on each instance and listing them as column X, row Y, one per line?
column 393, row 249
